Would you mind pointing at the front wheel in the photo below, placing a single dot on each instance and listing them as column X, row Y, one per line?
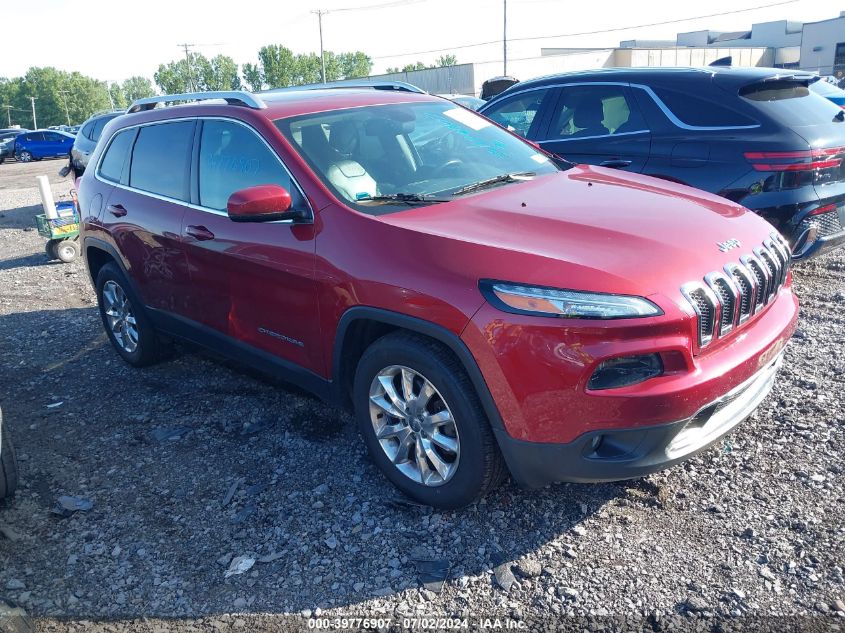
column 67, row 250
column 25, row 156
column 127, row 325
column 423, row 424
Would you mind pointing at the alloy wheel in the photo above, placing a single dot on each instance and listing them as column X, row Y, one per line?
column 414, row 426
column 120, row 317
column 25, row 157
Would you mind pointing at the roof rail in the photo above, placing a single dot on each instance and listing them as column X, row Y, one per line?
column 398, row 86
column 232, row 97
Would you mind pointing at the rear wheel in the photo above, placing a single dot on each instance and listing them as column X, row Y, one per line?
column 422, row 422
column 8, row 463
column 50, row 249
column 24, row 156
column 127, row 325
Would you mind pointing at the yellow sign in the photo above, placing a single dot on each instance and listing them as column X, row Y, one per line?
column 64, row 230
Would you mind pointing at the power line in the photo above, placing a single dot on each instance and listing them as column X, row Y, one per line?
column 384, row 5
column 600, row 31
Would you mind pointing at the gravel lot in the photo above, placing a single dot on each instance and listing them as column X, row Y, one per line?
column 195, row 462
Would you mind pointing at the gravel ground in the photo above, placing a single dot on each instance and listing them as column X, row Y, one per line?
column 195, row 462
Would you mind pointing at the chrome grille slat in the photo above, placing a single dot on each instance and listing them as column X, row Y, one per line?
column 729, row 298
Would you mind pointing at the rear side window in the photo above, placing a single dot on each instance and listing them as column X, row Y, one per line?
column 86, row 129
column 517, row 113
column 697, row 111
column 115, row 157
column 35, row 136
column 161, row 159
column 588, row 111
column 97, row 129
column 790, row 103
column 232, row 157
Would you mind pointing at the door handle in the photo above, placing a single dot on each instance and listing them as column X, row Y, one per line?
column 200, row 233
column 116, row 210
column 616, row 163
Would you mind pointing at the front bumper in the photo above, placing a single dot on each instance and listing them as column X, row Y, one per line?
column 617, row 454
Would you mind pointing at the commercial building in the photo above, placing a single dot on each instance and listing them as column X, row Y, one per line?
column 813, row 46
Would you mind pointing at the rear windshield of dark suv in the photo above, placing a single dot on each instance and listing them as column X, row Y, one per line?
column 790, row 103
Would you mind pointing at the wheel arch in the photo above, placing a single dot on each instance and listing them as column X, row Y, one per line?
column 97, row 253
column 360, row 326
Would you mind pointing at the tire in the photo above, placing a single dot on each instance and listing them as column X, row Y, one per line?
column 113, row 291
column 8, row 463
column 24, row 156
column 50, row 249
column 67, row 250
column 472, row 466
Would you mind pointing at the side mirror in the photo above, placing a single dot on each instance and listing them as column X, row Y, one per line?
column 262, row 203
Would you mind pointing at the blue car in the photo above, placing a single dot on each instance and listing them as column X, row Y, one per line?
column 42, row 144
column 829, row 91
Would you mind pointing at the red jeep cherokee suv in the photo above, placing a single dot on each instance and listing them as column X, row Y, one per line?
column 482, row 307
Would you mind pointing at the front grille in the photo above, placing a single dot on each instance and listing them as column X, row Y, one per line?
column 828, row 223
column 725, row 300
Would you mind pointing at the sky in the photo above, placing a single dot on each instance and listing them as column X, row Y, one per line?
column 111, row 40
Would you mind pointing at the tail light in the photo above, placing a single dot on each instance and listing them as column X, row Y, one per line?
column 800, row 160
column 825, row 209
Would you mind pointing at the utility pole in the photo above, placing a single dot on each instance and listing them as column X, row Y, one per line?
column 188, row 65
column 64, row 94
column 9, row 113
column 108, row 92
column 320, row 13
column 505, row 38
column 34, row 120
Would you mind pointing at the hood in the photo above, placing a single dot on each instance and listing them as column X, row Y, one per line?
column 590, row 228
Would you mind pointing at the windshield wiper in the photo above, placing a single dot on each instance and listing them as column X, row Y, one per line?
column 409, row 198
column 516, row 176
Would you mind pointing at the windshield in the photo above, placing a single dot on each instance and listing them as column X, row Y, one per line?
column 426, row 152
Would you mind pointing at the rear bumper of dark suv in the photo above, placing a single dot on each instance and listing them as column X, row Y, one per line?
column 829, row 231
column 620, row 454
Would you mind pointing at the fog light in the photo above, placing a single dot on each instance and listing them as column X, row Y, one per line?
column 625, row 371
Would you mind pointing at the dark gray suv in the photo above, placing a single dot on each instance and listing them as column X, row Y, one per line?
column 86, row 140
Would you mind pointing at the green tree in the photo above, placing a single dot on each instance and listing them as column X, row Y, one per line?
column 221, row 73
column 355, row 64
column 118, row 97
column 417, row 66
column 59, row 96
column 277, row 65
column 137, row 88
column 183, row 75
column 253, row 76
column 393, row 69
column 446, row 60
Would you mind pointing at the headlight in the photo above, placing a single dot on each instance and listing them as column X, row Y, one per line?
column 569, row 304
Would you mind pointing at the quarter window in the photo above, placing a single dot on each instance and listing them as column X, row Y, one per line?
column 699, row 112
column 112, row 166
column 161, row 159
column 586, row 111
column 87, row 129
column 232, row 157
column 517, row 113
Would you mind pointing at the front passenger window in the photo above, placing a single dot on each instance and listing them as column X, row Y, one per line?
column 517, row 113
column 233, row 157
